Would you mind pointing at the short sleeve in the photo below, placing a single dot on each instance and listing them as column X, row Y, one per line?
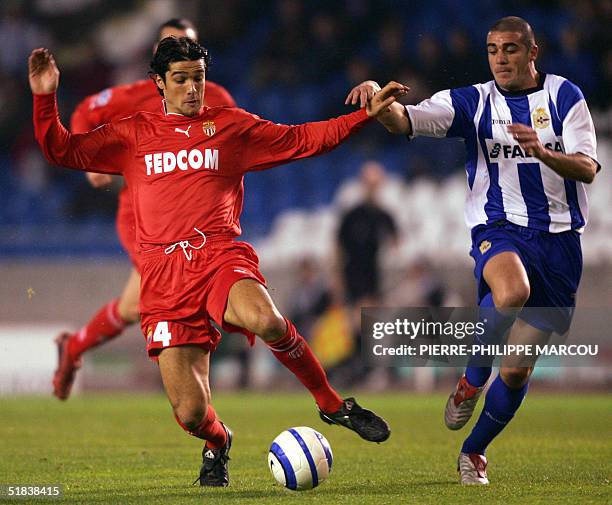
column 579, row 132
column 447, row 113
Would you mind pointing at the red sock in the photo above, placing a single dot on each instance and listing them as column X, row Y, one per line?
column 105, row 325
column 293, row 352
column 210, row 429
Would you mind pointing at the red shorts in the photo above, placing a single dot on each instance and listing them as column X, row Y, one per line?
column 125, row 224
column 180, row 297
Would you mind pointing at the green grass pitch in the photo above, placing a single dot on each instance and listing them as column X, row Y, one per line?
column 128, row 449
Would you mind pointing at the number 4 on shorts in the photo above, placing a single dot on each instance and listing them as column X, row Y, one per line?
column 162, row 334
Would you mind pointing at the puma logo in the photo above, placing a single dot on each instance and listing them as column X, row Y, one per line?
column 186, row 132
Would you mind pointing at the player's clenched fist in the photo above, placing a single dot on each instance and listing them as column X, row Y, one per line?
column 42, row 72
column 383, row 99
column 528, row 139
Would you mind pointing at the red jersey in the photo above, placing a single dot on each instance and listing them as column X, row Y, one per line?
column 186, row 173
column 118, row 102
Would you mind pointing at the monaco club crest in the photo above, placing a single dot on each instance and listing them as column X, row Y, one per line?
column 209, row 128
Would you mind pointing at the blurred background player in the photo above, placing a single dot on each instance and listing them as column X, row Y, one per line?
column 109, row 105
column 190, row 276
column 363, row 231
column 531, row 148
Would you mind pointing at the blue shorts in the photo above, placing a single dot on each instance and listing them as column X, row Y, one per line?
column 553, row 262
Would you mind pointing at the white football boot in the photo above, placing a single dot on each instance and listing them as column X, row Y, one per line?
column 472, row 469
column 461, row 404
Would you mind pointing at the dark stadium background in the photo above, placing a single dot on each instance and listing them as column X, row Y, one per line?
column 289, row 61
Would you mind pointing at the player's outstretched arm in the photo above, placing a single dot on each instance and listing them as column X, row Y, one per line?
column 380, row 104
column 270, row 144
column 42, row 72
column 267, row 144
column 390, row 114
column 362, row 93
column 101, row 150
column 376, row 100
column 395, row 119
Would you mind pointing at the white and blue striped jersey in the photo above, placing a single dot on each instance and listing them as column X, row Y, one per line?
column 504, row 182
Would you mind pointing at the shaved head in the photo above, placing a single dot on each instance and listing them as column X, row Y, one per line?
column 516, row 25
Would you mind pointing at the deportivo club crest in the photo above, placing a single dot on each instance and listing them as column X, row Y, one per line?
column 209, row 128
column 485, row 245
column 539, row 118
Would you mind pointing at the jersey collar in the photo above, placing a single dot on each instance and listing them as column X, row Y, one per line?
column 176, row 115
column 524, row 92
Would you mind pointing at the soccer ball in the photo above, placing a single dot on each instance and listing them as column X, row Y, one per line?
column 300, row 458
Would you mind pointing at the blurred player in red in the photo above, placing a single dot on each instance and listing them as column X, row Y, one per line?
column 185, row 170
column 95, row 110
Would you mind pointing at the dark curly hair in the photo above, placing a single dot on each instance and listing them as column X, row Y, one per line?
column 172, row 49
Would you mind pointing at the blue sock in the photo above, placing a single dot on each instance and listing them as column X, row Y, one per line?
column 500, row 406
column 479, row 368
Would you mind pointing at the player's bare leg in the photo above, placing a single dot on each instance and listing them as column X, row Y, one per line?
column 501, row 403
column 184, row 371
column 108, row 323
column 249, row 306
column 515, row 371
column 128, row 305
column 507, row 278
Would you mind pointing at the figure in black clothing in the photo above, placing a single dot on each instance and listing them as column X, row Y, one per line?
column 363, row 230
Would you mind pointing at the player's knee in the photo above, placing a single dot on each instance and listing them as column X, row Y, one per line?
column 129, row 310
column 190, row 414
column 269, row 325
column 513, row 296
column 515, row 377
